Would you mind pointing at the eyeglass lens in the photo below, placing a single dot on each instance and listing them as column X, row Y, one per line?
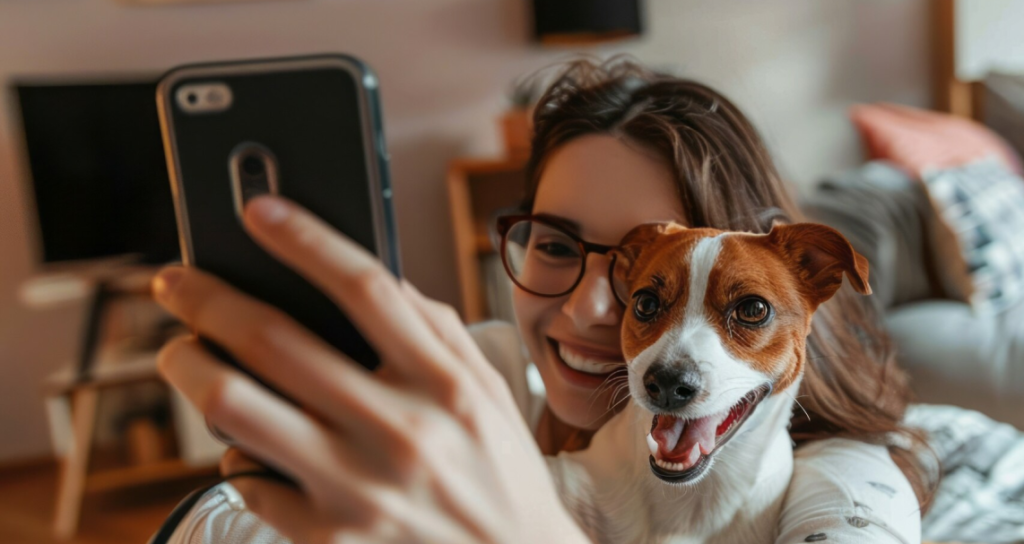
column 542, row 258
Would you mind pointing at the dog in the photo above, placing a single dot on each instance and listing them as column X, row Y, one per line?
column 713, row 334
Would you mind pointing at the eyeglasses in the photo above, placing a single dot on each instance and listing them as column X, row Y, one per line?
column 543, row 258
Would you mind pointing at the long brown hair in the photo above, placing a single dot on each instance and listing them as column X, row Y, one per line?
column 726, row 179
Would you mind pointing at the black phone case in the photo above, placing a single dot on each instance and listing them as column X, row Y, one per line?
column 320, row 116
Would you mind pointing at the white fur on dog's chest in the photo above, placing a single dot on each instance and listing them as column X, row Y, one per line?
column 610, row 491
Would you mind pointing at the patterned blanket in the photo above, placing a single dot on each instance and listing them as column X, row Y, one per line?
column 981, row 495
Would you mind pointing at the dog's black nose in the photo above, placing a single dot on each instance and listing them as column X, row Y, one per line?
column 671, row 387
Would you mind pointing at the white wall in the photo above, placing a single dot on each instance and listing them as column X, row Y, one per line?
column 445, row 65
column 988, row 37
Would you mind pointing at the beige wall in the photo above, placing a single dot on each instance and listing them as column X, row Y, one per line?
column 445, row 65
column 988, row 37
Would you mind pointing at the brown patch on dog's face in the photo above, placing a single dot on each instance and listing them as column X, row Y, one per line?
column 653, row 258
column 790, row 271
column 750, row 271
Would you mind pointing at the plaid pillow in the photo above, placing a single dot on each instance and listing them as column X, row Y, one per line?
column 982, row 204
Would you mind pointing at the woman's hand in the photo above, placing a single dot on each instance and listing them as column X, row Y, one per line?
column 431, row 448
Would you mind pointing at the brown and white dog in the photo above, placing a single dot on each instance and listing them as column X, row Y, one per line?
column 714, row 337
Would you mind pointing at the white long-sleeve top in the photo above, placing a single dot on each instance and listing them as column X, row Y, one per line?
column 842, row 491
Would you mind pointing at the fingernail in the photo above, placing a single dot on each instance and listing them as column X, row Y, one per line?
column 268, row 210
column 165, row 281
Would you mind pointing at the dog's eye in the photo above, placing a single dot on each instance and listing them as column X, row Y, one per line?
column 753, row 311
column 646, row 305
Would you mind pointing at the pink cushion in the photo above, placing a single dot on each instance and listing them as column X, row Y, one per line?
column 918, row 140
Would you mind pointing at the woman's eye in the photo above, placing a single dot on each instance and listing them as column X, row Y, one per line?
column 752, row 311
column 555, row 249
column 646, row 306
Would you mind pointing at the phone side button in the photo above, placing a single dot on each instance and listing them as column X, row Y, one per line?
column 382, row 147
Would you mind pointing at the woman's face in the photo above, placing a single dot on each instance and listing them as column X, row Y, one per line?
column 605, row 186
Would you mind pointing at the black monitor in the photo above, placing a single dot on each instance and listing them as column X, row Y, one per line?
column 98, row 174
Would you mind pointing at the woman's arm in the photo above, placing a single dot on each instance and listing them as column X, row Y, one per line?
column 431, row 448
column 848, row 492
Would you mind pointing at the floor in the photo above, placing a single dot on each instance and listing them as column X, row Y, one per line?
column 125, row 516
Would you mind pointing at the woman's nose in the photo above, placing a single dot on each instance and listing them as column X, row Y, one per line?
column 592, row 302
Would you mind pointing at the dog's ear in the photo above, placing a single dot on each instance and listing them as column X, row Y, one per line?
column 820, row 256
column 630, row 247
column 640, row 237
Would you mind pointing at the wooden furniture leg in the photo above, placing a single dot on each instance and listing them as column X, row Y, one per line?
column 75, row 465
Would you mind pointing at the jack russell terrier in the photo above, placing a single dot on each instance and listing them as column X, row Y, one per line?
column 713, row 335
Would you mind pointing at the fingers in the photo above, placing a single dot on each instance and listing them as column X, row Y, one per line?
column 268, row 342
column 234, row 461
column 269, row 428
column 272, row 345
column 296, row 517
column 354, row 278
column 448, row 326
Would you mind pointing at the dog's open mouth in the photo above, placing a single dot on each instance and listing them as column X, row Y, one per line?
column 682, row 449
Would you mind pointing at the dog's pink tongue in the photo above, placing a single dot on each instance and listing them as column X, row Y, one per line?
column 676, row 439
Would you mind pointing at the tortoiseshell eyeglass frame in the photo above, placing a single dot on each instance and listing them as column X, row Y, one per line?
column 504, row 226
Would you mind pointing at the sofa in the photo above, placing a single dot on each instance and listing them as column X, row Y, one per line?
column 953, row 353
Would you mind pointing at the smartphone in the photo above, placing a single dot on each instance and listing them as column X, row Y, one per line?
column 306, row 128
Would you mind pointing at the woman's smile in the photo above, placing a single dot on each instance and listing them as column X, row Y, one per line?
column 585, row 365
column 604, row 186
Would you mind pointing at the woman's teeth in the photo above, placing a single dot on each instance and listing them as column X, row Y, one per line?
column 584, row 364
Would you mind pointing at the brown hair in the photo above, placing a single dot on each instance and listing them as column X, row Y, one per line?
column 726, row 179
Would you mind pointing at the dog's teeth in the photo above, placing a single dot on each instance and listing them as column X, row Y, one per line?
column 652, row 444
column 694, row 455
column 668, row 466
column 674, row 467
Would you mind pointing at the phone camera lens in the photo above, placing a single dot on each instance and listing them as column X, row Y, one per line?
column 192, row 98
column 253, row 166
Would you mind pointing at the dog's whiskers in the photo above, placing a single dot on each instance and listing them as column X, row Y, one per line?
column 612, row 377
column 615, row 394
column 612, row 380
column 797, row 402
column 611, row 409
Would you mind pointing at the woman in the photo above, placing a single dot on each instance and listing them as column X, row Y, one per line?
column 432, row 448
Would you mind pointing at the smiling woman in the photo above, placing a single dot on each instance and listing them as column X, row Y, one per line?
column 616, row 146
column 432, row 448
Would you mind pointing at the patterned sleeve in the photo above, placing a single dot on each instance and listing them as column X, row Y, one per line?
column 220, row 517
column 848, row 492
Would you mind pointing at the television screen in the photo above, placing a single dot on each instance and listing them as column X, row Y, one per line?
column 98, row 171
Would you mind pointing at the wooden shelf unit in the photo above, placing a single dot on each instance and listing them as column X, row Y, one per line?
column 477, row 189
